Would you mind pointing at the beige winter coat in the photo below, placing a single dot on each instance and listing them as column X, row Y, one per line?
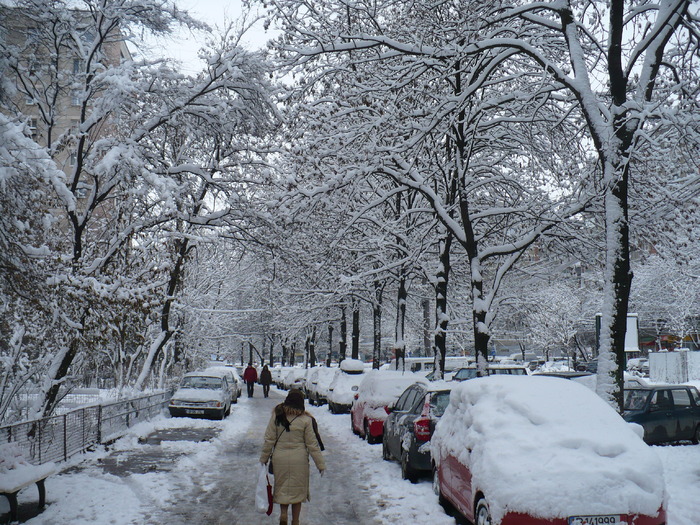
column 290, row 460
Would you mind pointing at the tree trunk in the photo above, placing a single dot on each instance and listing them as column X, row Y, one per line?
column 441, row 319
column 355, row 329
column 377, row 325
column 343, row 342
column 400, row 332
column 312, row 348
column 425, row 305
column 330, row 345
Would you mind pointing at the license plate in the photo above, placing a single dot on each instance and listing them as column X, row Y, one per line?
column 594, row 520
column 201, row 413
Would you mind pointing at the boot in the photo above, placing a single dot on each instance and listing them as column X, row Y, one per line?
column 283, row 521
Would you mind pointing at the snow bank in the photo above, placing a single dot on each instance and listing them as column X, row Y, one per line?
column 548, row 447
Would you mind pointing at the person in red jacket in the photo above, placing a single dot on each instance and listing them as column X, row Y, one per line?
column 250, row 376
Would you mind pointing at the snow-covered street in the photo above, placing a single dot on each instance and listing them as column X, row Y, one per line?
column 180, row 471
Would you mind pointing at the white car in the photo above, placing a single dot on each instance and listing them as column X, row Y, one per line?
column 233, row 379
column 317, row 391
column 345, row 384
column 202, row 394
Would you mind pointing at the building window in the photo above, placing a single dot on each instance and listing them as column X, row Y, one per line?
column 73, row 159
column 78, row 66
column 32, row 35
column 74, row 127
column 33, row 125
column 75, row 99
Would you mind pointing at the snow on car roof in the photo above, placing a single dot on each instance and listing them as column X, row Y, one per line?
column 548, row 447
column 352, row 365
column 382, row 387
column 209, row 372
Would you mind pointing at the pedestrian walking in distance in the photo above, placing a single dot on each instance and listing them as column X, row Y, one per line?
column 291, row 436
column 266, row 380
column 250, row 376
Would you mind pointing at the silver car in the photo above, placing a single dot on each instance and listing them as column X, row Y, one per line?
column 202, row 394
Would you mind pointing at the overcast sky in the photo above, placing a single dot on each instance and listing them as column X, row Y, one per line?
column 217, row 13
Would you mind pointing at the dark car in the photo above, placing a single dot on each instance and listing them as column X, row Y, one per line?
column 668, row 413
column 409, row 426
column 588, row 366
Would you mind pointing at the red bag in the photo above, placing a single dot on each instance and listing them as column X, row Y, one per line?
column 263, row 491
column 269, row 494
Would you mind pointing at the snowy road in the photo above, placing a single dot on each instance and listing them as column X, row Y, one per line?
column 179, row 471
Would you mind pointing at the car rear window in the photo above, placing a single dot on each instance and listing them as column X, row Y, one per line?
column 207, row 383
column 439, row 402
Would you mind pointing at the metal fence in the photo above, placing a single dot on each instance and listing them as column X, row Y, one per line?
column 57, row 438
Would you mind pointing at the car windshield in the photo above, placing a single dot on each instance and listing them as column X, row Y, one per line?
column 439, row 402
column 509, row 371
column 635, row 399
column 204, row 382
column 465, row 373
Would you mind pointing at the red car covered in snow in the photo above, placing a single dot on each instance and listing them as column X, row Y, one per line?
column 377, row 392
column 543, row 451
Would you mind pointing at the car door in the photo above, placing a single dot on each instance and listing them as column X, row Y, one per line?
column 683, row 414
column 390, row 428
column 394, row 421
column 659, row 422
column 413, row 410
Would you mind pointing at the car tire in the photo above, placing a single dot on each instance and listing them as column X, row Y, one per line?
column 437, row 489
column 482, row 515
column 407, row 472
column 696, row 436
column 386, row 456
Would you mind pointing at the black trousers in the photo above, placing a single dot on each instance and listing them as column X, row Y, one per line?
column 266, row 390
column 251, row 387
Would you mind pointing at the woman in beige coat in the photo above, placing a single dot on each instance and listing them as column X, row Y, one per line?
column 290, row 437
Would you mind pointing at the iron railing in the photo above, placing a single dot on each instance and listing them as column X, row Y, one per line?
column 56, row 438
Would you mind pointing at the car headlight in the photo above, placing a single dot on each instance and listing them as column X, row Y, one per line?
column 214, row 404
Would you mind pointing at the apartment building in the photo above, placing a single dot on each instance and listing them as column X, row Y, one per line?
column 49, row 64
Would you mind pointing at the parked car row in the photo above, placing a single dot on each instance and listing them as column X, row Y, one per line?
column 472, row 434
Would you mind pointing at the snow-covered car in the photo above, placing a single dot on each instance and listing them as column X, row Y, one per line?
column 345, row 384
column 204, row 394
column 639, row 365
column 276, row 372
column 294, row 378
column 567, row 456
column 378, row 390
column 317, row 388
column 234, row 381
column 410, row 425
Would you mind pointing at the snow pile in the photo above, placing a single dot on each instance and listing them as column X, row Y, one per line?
column 16, row 472
column 561, row 448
